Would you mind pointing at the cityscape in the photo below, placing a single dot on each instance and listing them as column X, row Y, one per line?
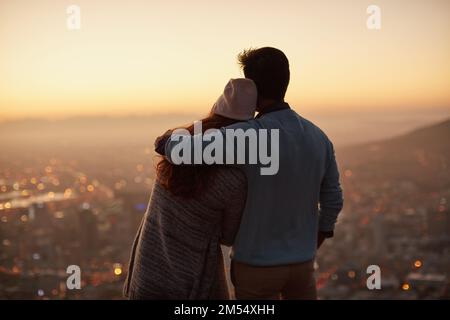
column 67, row 200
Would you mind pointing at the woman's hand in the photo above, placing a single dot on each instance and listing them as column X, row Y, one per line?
column 160, row 142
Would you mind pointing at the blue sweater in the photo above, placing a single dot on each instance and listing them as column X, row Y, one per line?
column 284, row 212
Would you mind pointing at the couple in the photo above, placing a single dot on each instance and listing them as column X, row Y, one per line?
column 274, row 223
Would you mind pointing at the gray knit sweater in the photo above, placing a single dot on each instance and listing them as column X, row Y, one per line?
column 176, row 253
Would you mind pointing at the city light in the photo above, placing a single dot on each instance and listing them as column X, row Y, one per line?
column 67, row 193
column 117, row 269
column 59, row 214
column 405, row 287
column 417, row 263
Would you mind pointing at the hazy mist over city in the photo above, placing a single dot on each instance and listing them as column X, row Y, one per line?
column 73, row 191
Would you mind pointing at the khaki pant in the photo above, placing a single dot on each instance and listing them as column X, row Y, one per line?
column 294, row 281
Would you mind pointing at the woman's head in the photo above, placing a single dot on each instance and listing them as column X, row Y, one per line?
column 237, row 103
column 238, row 100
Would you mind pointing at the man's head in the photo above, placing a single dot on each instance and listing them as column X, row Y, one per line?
column 269, row 69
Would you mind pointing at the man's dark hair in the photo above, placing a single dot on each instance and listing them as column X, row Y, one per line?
column 269, row 69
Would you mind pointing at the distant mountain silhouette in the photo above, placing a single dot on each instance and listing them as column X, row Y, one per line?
column 421, row 156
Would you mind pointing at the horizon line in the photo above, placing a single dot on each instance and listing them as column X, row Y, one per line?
column 196, row 114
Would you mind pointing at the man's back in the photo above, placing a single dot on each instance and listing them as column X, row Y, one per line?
column 281, row 219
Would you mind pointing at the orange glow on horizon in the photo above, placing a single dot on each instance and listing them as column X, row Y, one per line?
column 156, row 57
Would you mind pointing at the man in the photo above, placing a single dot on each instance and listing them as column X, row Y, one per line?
column 289, row 214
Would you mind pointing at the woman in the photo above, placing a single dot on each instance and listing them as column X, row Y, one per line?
column 192, row 210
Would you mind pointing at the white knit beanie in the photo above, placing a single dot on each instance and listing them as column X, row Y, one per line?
column 238, row 100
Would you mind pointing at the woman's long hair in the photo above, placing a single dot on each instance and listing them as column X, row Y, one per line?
column 189, row 181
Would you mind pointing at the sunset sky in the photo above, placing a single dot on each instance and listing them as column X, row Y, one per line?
column 176, row 56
